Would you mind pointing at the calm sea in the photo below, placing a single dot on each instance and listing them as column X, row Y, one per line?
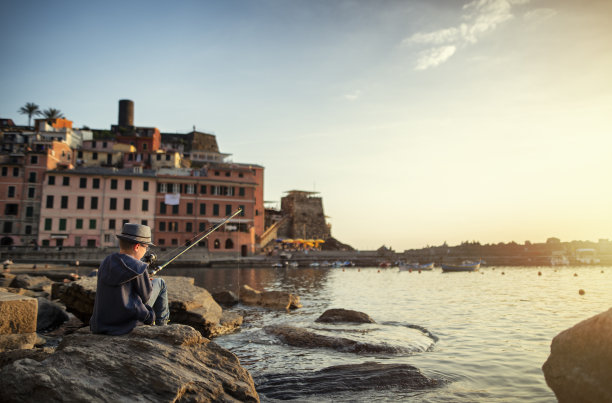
column 483, row 335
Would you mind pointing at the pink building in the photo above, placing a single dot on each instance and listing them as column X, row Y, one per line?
column 88, row 206
column 190, row 202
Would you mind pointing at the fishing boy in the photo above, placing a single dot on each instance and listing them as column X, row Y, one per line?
column 126, row 295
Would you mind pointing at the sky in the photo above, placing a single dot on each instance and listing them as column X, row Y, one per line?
column 419, row 122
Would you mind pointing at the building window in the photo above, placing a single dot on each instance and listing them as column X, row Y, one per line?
column 80, row 202
column 202, row 208
column 144, row 222
column 203, row 189
column 162, row 225
column 190, row 189
column 77, row 241
column 82, row 183
column 111, row 224
column 228, row 209
column 51, row 180
column 128, row 184
column 240, row 191
column 167, row 157
column 162, row 208
column 66, row 181
column 145, row 186
column 242, row 212
column 113, row 203
column 92, row 224
column 144, row 146
column 189, row 227
column 62, row 224
column 113, row 183
column 28, row 230
column 4, row 171
column 94, row 156
column 45, row 242
column 11, row 191
column 215, row 190
column 31, row 192
column 48, row 223
column 94, row 202
column 162, row 241
column 80, row 155
column 217, row 244
column 228, row 173
column 32, row 177
column 104, row 144
column 8, row 227
column 229, row 244
column 175, row 209
column 49, row 201
column 91, row 243
column 159, row 157
column 15, row 171
column 123, row 222
column 11, row 209
column 189, row 208
column 79, row 223
column 93, row 144
column 145, row 205
column 217, row 173
column 215, row 209
column 64, row 202
column 163, row 188
column 34, row 159
column 126, row 204
column 29, row 211
column 107, row 238
column 96, row 183
column 202, row 227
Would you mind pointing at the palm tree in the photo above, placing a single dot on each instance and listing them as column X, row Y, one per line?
column 30, row 109
column 52, row 113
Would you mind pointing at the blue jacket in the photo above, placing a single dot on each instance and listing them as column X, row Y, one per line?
column 121, row 298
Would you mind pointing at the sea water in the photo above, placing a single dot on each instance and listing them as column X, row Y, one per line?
column 482, row 335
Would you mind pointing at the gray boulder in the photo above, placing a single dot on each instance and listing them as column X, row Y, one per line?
column 33, row 283
column 340, row 378
column 579, row 368
column 345, row 316
column 298, row 337
column 151, row 364
column 50, row 314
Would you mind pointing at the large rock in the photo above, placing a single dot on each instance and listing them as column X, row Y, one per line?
column 340, row 378
column 269, row 299
column 579, row 368
column 50, row 315
column 189, row 304
column 18, row 313
column 298, row 337
column 6, row 279
column 150, row 364
column 345, row 316
column 34, row 283
column 227, row 298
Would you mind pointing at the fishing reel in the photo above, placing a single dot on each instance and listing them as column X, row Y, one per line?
column 150, row 259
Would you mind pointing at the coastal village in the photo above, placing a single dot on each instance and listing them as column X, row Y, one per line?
column 65, row 192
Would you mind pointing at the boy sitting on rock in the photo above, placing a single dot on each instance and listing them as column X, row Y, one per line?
column 126, row 295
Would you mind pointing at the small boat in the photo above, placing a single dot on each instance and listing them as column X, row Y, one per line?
column 277, row 266
column 416, row 266
column 465, row 266
column 314, row 264
column 293, row 264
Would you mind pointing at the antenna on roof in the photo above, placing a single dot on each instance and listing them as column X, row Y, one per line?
column 194, row 128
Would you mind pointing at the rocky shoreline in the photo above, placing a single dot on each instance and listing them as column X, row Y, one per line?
column 47, row 352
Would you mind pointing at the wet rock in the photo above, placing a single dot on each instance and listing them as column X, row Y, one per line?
column 297, row 337
column 344, row 315
column 151, row 364
column 50, row 314
column 226, row 298
column 33, row 283
column 39, row 354
column 269, row 299
column 579, row 366
column 189, row 304
column 353, row 377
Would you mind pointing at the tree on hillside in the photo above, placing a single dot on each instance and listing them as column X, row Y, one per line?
column 52, row 113
column 30, row 109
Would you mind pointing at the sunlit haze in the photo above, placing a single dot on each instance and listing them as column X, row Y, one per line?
column 419, row 122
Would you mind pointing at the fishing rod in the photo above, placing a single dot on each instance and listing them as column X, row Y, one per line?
column 216, row 227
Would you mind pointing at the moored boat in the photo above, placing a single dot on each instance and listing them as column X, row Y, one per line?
column 416, row 266
column 465, row 266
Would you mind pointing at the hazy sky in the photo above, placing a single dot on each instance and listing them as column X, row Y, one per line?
column 419, row 122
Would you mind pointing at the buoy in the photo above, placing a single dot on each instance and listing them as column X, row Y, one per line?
column 419, row 271
column 602, row 271
column 581, row 291
column 575, row 274
column 358, row 269
column 342, row 269
column 539, row 273
column 409, row 270
column 379, row 270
